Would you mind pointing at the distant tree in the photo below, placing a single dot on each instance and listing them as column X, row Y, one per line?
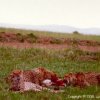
column 75, row 32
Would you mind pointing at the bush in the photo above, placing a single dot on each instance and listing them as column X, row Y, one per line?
column 2, row 32
column 20, row 37
column 31, row 35
column 56, row 41
column 76, row 32
column 31, row 38
column 19, row 34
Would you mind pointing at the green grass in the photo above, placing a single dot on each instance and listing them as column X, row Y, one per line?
column 51, row 34
column 59, row 61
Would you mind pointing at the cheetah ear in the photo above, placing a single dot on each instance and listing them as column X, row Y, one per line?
column 42, row 69
column 17, row 72
column 80, row 74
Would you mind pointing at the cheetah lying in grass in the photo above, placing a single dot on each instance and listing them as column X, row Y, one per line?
column 37, row 79
column 40, row 79
column 81, row 79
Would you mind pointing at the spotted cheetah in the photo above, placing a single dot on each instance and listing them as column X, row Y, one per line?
column 82, row 79
column 17, row 78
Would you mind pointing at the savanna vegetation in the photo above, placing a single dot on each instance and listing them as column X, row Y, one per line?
column 60, row 61
column 51, row 34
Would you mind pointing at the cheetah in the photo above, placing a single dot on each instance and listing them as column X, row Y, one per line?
column 18, row 79
column 82, row 79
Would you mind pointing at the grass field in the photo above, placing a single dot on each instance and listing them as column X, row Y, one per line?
column 59, row 61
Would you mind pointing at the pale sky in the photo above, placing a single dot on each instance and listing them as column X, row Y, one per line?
column 77, row 13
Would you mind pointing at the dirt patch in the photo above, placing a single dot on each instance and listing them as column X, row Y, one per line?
column 31, row 38
column 90, row 48
column 48, row 46
column 31, row 41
